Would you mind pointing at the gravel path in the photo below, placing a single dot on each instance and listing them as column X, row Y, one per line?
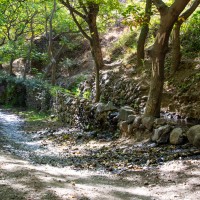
column 23, row 176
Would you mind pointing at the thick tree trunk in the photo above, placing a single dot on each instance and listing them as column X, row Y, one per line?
column 143, row 34
column 156, row 86
column 158, row 54
column 176, row 50
column 169, row 16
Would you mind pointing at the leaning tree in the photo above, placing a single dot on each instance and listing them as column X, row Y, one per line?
column 168, row 17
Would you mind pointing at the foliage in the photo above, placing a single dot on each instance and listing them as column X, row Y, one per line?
column 190, row 34
column 125, row 46
column 55, row 89
column 87, row 94
column 134, row 14
column 33, row 116
column 68, row 63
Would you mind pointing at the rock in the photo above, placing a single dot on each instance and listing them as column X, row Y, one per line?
column 160, row 121
column 110, row 107
column 52, row 116
column 193, row 135
column 148, row 122
column 131, row 119
column 130, row 129
column 124, row 112
column 161, row 134
column 100, row 107
column 176, row 136
column 137, row 122
column 123, row 128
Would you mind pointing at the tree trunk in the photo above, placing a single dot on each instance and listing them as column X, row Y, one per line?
column 11, row 66
column 97, row 77
column 1, row 66
column 156, row 86
column 157, row 54
column 88, row 13
column 98, row 59
column 56, row 57
column 50, row 47
column 95, row 47
column 143, row 34
column 169, row 16
column 27, row 66
column 176, row 50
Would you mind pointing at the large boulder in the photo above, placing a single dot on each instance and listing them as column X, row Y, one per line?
column 176, row 136
column 193, row 135
column 124, row 112
column 161, row 134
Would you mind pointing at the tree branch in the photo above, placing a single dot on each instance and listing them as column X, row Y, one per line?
column 83, row 7
column 73, row 12
column 80, row 27
column 178, row 6
column 161, row 6
column 2, row 41
column 67, row 4
column 190, row 10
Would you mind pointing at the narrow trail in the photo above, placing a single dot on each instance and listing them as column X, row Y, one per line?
column 31, row 169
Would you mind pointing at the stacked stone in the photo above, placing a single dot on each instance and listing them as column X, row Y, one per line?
column 187, row 104
column 159, row 130
column 123, row 90
column 38, row 99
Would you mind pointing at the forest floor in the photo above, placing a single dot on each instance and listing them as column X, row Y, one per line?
column 65, row 168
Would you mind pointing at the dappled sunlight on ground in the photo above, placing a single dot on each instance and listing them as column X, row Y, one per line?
column 44, row 181
column 70, row 165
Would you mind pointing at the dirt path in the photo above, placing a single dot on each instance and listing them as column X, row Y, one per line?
column 21, row 180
